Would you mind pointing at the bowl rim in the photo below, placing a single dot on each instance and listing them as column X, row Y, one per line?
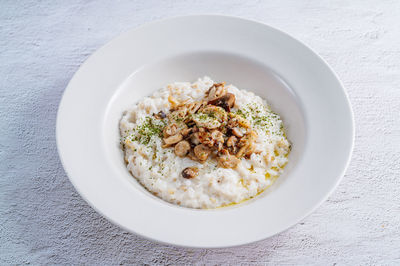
column 204, row 16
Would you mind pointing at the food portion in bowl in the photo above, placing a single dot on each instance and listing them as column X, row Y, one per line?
column 204, row 144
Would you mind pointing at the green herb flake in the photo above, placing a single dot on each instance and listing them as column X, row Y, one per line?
column 148, row 129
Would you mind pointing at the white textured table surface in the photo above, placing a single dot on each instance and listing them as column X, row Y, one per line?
column 44, row 221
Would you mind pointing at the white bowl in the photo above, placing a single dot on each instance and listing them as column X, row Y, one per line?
column 298, row 84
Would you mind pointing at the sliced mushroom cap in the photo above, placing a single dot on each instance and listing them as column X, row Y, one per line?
column 236, row 131
column 215, row 112
column 190, row 172
column 246, row 144
column 192, row 156
column 231, row 142
column 202, row 152
column 226, row 101
column 206, row 138
column 186, row 131
column 217, row 135
column 170, row 130
column 204, row 120
column 194, row 106
column 216, row 90
column 226, row 160
column 182, row 148
column 246, row 150
column 241, row 152
column 179, row 114
column 173, row 139
column 237, row 120
column 217, row 139
column 250, row 150
column 194, row 138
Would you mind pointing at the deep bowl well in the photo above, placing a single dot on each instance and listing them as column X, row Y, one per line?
column 240, row 71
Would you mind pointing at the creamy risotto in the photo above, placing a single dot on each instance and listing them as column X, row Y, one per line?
column 204, row 144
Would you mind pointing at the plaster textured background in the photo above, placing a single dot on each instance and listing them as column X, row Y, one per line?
column 44, row 221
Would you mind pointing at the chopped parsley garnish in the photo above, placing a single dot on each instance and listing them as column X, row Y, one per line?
column 148, row 129
column 261, row 117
